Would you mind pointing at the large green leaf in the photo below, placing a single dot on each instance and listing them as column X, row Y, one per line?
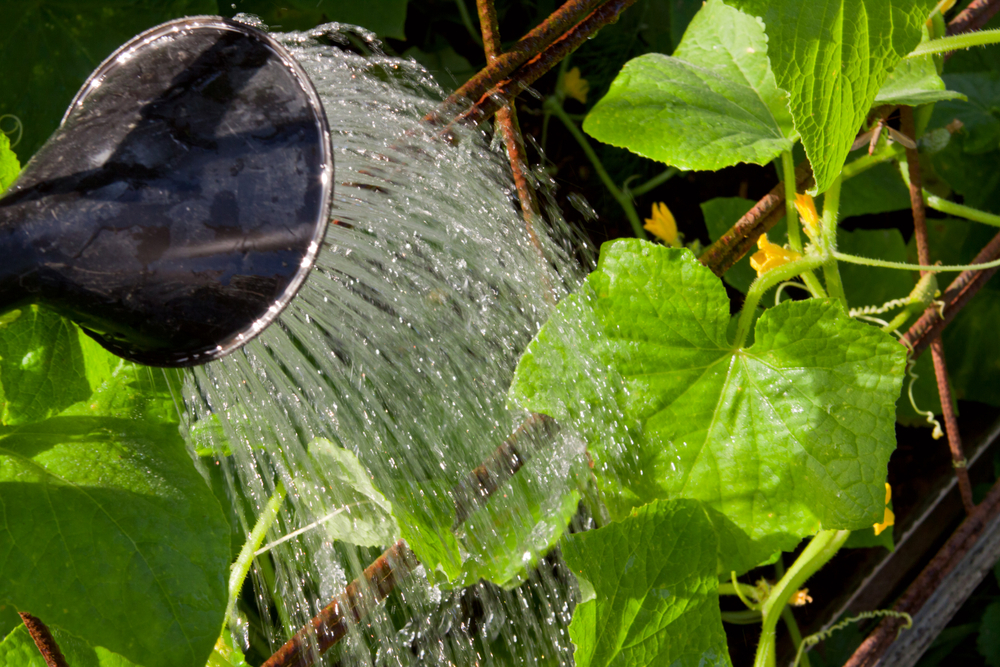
column 915, row 81
column 106, row 528
column 48, row 48
column 877, row 190
column 41, row 365
column 980, row 115
column 833, row 58
column 783, row 437
column 655, row 590
column 712, row 104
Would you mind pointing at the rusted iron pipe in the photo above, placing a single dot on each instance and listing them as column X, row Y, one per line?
column 44, row 640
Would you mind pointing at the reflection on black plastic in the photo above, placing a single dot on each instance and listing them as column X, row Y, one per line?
column 183, row 199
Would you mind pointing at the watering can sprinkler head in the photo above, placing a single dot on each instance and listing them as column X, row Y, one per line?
column 181, row 202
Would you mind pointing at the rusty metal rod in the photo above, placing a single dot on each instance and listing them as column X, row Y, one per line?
column 44, row 640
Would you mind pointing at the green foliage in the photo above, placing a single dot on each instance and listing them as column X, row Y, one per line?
column 833, row 59
column 878, row 190
column 9, row 166
column 18, row 650
column 384, row 17
column 787, row 435
column 712, row 104
column 915, row 81
column 720, row 214
column 655, row 590
column 100, row 495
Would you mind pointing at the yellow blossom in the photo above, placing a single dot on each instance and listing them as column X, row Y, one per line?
column 889, row 519
column 663, row 225
column 800, row 598
column 807, row 211
column 770, row 256
column 576, row 87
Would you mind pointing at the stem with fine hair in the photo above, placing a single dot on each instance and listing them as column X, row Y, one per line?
column 625, row 202
column 956, row 42
column 241, row 567
column 831, row 272
column 765, row 282
column 819, row 551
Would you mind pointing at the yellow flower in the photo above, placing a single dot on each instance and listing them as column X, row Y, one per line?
column 889, row 519
column 576, row 87
column 663, row 225
column 800, row 598
column 770, row 256
column 807, row 211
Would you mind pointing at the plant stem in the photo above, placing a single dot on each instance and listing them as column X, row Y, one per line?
column 955, row 42
column 624, row 201
column 655, row 181
column 831, row 206
column 868, row 261
column 821, row 549
column 766, row 282
column 741, row 590
column 866, row 162
column 241, row 567
column 793, row 630
column 792, row 220
column 960, row 210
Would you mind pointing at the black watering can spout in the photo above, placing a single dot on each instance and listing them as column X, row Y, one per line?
column 183, row 199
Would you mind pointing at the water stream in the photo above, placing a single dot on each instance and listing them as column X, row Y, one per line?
column 399, row 350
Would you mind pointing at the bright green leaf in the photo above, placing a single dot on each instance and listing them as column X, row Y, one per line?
column 915, row 81
column 712, row 104
column 108, row 531
column 9, row 166
column 19, row 650
column 787, row 435
column 363, row 515
column 833, row 58
column 655, row 588
column 41, row 365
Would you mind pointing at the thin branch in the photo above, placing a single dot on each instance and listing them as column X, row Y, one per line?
column 44, row 640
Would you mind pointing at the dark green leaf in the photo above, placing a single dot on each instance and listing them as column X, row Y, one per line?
column 447, row 67
column 972, row 175
column 787, row 435
column 988, row 641
column 109, row 531
column 384, row 17
column 869, row 286
column 711, row 105
column 49, row 47
column 878, row 190
column 980, row 115
column 656, row 590
column 833, row 58
column 41, row 365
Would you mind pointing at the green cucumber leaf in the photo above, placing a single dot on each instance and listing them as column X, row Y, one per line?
column 655, row 588
column 980, row 115
column 783, row 437
column 18, row 650
column 107, row 530
column 9, row 166
column 833, row 58
column 41, row 365
column 877, row 190
column 915, row 81
column 364, row 516
column 720, row 215
column 57, row 45
column 711, row 105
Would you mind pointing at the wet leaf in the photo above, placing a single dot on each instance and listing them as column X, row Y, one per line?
column 712, row 104
column 833, row 59
column 655, row 589
column 787, row 435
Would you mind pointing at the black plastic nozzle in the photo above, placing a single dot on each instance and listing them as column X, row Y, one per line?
column 183, row 199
